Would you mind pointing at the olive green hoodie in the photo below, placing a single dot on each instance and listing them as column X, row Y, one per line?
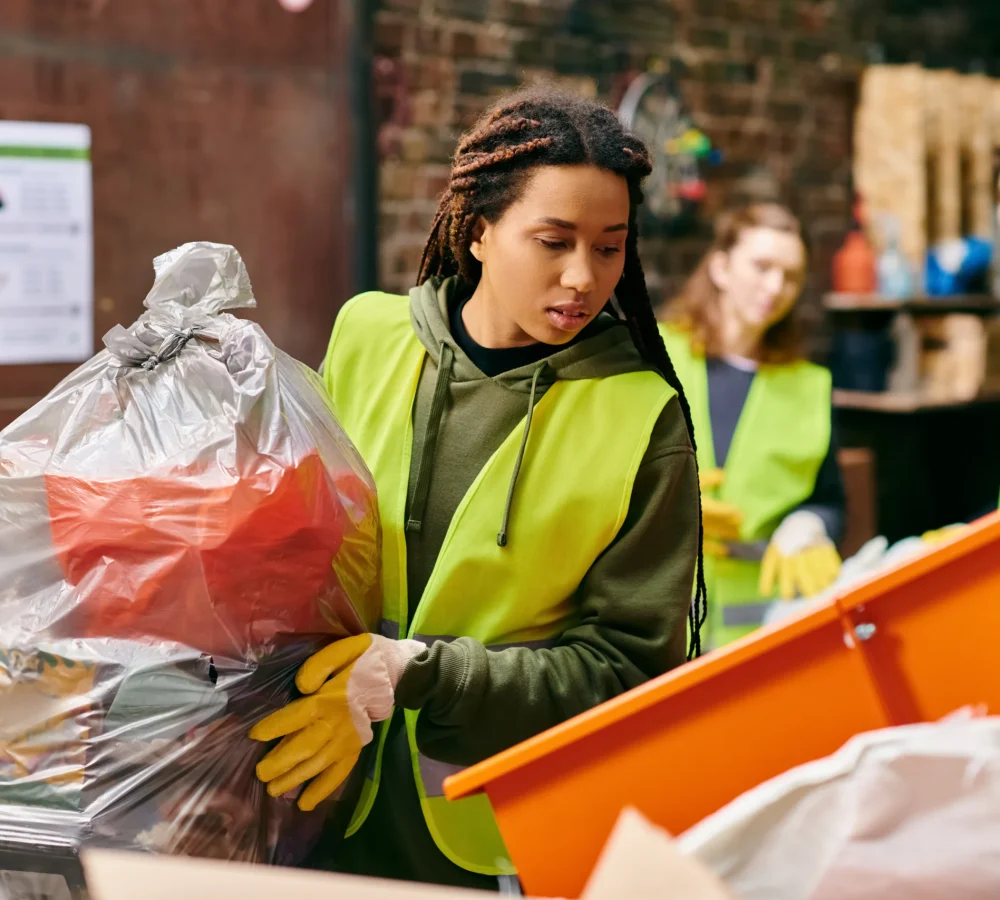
column 632, row 605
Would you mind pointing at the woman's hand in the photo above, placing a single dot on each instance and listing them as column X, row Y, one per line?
column 722, row 521
column 349, row 685
column 800, row 559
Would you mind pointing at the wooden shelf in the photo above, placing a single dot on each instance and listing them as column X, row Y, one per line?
column 972, row 303
column 902, row 402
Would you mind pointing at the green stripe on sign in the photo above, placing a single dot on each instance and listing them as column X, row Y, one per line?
column 43, row 153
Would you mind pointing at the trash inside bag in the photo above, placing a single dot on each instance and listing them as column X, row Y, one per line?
column 910, row 812
column 182, row 523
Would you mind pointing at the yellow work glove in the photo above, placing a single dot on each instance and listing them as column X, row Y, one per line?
column 348, row 686
column 722, row 521
column 800, row 560
column 940, row 535
column 710, row 479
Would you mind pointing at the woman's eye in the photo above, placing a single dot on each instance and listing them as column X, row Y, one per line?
column 609, row 251
column 552, row 245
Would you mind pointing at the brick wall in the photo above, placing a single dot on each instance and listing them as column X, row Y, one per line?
column 766, row 79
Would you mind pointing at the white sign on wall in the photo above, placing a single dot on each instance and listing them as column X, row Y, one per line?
column 46, row 243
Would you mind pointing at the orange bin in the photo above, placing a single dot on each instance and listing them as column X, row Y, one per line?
column 911, row 645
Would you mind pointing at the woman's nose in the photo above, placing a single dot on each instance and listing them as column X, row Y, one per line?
column 579, row 274
column 775, row 282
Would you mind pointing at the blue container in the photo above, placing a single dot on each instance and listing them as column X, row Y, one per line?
column 958, row 267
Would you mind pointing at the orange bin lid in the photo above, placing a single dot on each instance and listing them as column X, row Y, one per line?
column 910, row 645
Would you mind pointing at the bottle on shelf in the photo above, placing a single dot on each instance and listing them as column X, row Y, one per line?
column 854, row 265
column 893, row 271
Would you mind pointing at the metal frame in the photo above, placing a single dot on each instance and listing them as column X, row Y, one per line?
column 629, row 105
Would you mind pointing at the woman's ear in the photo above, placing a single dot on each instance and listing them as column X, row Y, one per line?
column 718, row 270
column 477, row 247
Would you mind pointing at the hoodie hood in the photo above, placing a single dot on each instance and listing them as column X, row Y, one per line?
column 610, row 352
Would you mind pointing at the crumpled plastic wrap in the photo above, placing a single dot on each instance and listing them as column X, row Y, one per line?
column 907, row 813
column 182, row 522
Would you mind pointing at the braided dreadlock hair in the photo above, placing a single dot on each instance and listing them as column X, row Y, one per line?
column 492, row 165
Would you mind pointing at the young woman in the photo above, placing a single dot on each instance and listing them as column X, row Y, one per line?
column 537, row 483
column 762, row 414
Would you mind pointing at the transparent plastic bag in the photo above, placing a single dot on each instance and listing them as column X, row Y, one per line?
column 182, row 523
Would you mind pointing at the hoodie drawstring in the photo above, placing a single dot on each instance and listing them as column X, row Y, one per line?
column 446, row 360
column 502, row 536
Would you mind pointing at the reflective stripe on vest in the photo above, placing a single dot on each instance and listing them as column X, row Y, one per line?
column 780, row 442
column 500, row 596
column 742, row 614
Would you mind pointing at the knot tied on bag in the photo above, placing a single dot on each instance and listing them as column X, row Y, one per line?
column 150, row 344
column 169, row 348
column 194, row 284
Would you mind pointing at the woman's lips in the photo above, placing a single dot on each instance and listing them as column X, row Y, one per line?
column 568, row 318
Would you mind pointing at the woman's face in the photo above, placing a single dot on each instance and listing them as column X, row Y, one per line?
column 552, row 260
column 761, row 277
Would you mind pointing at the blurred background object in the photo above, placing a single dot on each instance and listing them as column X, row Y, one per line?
column 654, row 109
column 924, row 148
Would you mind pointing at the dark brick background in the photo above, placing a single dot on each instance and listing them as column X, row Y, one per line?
column 956, row 34
column 770, row 81
column 229, row 120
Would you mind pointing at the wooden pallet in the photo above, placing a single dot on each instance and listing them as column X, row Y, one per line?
column 924, row 151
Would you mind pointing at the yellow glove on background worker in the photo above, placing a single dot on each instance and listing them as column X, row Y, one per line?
column 348, row 686
column 800, row 559
column 940, row 535
column 721, row 521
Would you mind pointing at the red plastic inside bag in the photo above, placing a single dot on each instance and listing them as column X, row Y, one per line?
column 223, row 569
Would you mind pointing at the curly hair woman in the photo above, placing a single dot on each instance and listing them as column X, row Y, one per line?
column 538, row 490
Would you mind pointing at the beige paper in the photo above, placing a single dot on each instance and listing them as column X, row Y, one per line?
column 641, row 861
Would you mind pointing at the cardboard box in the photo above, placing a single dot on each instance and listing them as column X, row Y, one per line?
column 112, row 875
column 640, row 861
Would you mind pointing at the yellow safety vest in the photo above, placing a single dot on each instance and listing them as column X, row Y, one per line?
column 781, row 440
column 586, row 441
